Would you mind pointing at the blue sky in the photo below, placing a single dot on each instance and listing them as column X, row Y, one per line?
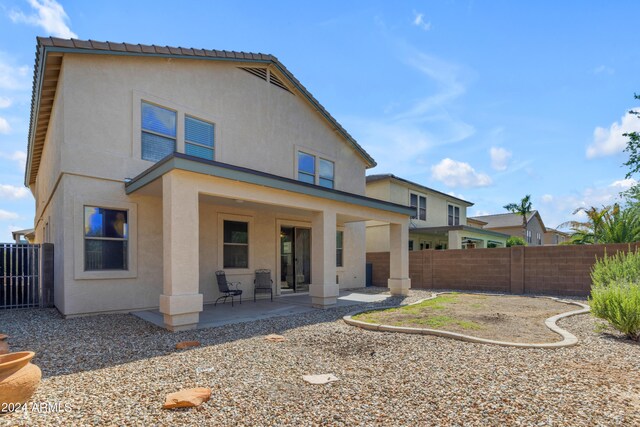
column 488, row 100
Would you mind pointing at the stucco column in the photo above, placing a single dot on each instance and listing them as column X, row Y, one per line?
column 455, row 239
column 180, row 302
column 323, row 288
column 399, row 282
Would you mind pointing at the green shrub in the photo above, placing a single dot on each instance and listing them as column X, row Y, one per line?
column 515, row 241
column 619, row 304
column 615, row 294
column 623, row 266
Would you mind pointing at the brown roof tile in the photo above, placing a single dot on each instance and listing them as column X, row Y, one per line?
column 117, row 47
column 99, row 45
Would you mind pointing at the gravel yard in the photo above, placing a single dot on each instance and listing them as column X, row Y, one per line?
column 116, row 370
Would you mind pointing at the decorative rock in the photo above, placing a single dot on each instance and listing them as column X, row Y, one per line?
column 320, row 379
column 19, row 378
column 275, row 338
column 187, row 398
column 187, row 344
column 4, row 345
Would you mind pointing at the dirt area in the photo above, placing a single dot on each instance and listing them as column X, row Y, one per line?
column 502, row 318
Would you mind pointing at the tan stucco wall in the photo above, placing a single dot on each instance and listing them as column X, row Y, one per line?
column 258, row 125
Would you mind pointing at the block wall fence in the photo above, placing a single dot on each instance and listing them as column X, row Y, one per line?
column 551, row 270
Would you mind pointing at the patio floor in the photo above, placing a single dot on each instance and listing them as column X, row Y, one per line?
column 225, row 314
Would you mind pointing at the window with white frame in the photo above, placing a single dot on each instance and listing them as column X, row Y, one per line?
column 158, row 132
column 199, row 138
column 316, row 170
column 419, row 203
column 339, row 248
column 106, row 236
column 235, row 244
column 453, row 215
column 528, row 236
column 539, row 238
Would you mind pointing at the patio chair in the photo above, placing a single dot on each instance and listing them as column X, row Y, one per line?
column 263, row 283
column 223, row 287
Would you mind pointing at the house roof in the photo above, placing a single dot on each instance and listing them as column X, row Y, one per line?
column 447, row 228
column 49, row 52
column 390, row 176
column 507, row 220
column 195, row 164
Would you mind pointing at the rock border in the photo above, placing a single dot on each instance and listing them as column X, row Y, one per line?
column 568, row 338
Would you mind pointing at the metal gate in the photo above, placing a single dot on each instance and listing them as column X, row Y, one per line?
column 26, row 275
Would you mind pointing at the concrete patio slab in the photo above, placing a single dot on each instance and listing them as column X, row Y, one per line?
column 248, row 311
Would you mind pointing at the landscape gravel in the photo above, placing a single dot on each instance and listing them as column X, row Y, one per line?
column 116, row 369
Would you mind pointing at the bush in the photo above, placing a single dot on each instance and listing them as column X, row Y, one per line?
column 623, row 266
column 515, row 241
column 615, row 294
column 619, row 304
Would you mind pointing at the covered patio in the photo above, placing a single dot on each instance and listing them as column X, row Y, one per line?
column 248, row 311
column 202, row 199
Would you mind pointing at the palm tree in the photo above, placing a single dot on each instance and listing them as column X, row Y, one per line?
column 611, row 224
column 588, row 231
column 523, row 209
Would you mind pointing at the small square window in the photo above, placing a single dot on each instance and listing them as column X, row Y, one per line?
column 158, row 132
column 199, row 138
column 105, row 239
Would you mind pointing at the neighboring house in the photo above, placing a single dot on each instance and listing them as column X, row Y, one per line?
column 152, row 167
column 511, row 224
column 23, row 236
column 438, row 221
column 555, row 237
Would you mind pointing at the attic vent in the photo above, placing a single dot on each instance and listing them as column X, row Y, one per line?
column 277, row 82
column 258, row 72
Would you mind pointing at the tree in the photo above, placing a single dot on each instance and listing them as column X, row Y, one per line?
column 588, row 231
column 515, row 241
column 633, row 163
column 523, row 209
column 611, row 224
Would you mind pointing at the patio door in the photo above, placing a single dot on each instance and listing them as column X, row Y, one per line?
column 295, row 258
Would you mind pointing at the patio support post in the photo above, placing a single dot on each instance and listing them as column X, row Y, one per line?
column 323, row 288
column 399, row 282
column 455, row 239
column 180, row 302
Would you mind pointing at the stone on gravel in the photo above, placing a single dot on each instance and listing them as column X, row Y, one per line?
column 320, row 379
column 187, row 398
column 275, row 338
column 187, row 344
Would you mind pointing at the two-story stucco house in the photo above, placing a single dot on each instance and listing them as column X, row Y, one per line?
column 152, row 167
column 511, row 224
column 438, row 220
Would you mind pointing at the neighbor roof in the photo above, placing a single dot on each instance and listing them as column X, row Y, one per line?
column 507, row 219
column 49, row 61
column 383, row 176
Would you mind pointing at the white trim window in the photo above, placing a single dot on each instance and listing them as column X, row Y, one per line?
column 199, row 138
column 453, row 215
column 419, row 203
column 235, row 244
column 316, row 170
column 158, row 138
column 529, row 236
column 106, row 238
column 539, row 239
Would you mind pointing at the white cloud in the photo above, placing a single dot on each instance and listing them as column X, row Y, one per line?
column 499, row 158
column 4, row 126
column 480, row 212
column 8, row 191
column 13, row 77
column 547, row 198
column 607, row 142
column 5, row 102
column 49, row 15
column 623, row 184
column 459, row 174
column 457, row 195
column 603, row 69
column 420, row 22
column 18, row 156
column 6, row 215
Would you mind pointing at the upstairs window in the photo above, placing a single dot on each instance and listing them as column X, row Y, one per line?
column 106, row 237
column 419, row 203
column 539, row 238
column 306, row 168
column 199, row 138
column 326, row 173
column 529, row 236
column 454, row 215
column 322, row 173
column 158, row 132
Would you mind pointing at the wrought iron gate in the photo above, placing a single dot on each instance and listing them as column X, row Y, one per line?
column 26, row 275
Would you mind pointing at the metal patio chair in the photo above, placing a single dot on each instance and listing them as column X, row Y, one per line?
column 263, row 283
column 225, row 290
